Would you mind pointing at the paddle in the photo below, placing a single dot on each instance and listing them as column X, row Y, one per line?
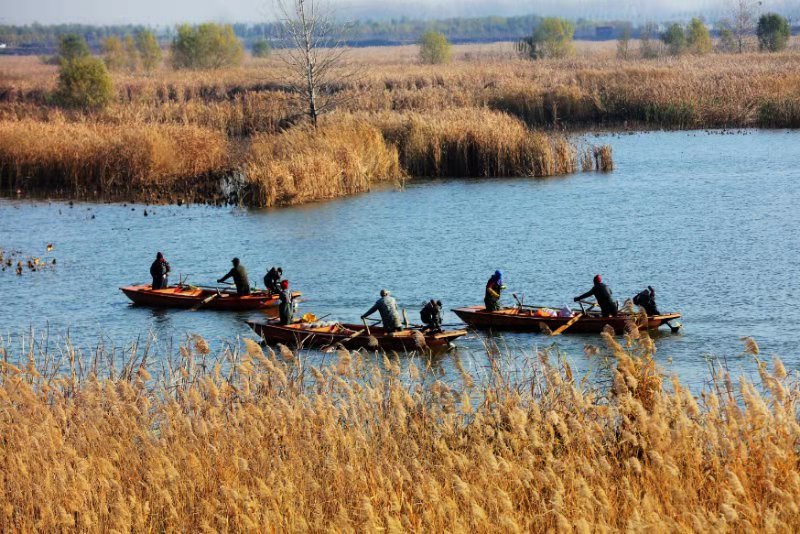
column 331, row 347
column 205, row 301
column 563, row 327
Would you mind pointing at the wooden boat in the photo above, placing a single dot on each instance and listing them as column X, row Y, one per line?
column 352, row 336
column 184, row 296
column 526, row 319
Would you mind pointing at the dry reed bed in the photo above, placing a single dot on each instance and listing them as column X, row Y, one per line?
column 475, row 143
column 85, row 159
column 686, row 92
column 129, row 157
column 245, row 441
column 342, row 157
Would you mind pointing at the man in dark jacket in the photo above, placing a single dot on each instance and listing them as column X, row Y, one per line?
column 286, row 308
column 431, row 315
column 272, row 280
column 159, row 270
column 239, row 275
column 494, row 288
column 387, row 307
column 647, row 300
column 602, row 293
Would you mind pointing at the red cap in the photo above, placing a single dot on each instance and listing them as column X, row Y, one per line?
column 285, row 284
column 598, row 279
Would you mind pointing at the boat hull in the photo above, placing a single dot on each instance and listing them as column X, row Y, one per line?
column 188, row 297
column 303, row 335
column 524, row 320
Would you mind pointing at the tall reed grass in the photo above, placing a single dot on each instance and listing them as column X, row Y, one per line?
column 475, row 143
column 342, row 157
column 718, row 90
column 244, row 441
column 145, row 161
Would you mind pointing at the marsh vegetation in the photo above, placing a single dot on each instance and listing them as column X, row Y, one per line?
column 248, row 437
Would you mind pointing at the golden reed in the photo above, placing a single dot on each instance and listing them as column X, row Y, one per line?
column 248, row 441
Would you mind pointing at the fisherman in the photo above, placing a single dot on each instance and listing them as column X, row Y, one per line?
column 494, row 287
column 286, row 308
column 159, row 270
column 239, row 274
column 602, row 293
column 387, row 307
column 272, row 280
column 647, row 301
column 431, row 315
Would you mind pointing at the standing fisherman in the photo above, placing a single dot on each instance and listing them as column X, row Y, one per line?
column 387, row 307
column 286, row 308
column 159, row 270
column 239, row 274
column 494, row 287
column 272, row 280
column 431, row 315
column 602, row 293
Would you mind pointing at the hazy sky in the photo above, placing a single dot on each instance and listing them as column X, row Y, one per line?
column 159, row 12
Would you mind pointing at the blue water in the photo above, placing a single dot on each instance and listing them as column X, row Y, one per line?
column 709, row 220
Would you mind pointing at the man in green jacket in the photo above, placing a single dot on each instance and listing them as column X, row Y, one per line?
column 239, row 275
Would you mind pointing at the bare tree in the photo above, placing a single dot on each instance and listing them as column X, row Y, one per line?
column 315, row 54
column 623, row 42
column 743, row 15
column 647, row 34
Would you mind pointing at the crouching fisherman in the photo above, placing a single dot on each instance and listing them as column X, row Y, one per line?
column 286, row 307
column 159, row 270
column 646, row 300
column 387, row 307
column 602, row 293
column 431, row 315
column 272, row 280
column 494, row 288
column 239, row 275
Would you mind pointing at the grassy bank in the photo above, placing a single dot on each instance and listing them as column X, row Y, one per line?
column 347, row 154
column 236, row 441
column 717, row 90
column 152, row 162
column 475, row 142
column 341, row 157
column 487, row 113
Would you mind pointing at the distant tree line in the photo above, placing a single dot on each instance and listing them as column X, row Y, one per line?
column 37, row 38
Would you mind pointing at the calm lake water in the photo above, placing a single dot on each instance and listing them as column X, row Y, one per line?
column 709, row 220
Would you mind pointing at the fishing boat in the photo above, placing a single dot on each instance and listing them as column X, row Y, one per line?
column 206, row 298
column 531, row 319
column 352, row 336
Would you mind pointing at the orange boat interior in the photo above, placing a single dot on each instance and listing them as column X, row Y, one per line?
column 193, row 291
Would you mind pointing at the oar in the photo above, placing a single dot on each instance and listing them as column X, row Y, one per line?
column 349, row 338
column 563, row 327
column 204, row 301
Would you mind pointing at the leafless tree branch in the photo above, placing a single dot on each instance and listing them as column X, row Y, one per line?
column 316, row 54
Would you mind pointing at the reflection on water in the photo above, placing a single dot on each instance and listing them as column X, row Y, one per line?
column 708, row 220
column 162, row 319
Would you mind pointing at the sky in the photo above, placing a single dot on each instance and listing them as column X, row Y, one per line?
column 168, row 12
